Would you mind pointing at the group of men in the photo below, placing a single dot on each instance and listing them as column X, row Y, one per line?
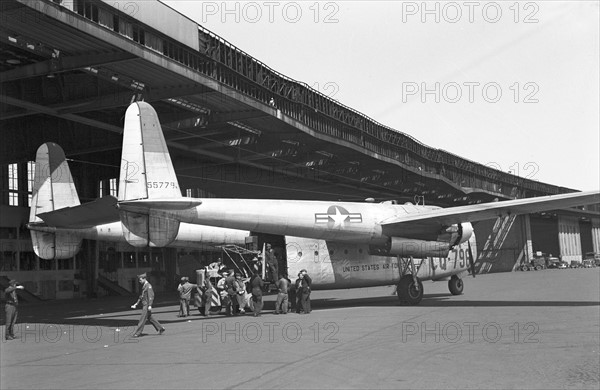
column 233, row 290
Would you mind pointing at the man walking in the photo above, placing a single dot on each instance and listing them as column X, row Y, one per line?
column 146, row 298
column 11, row 308
column 281, row 306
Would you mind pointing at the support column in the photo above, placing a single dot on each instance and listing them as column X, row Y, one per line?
column 596, row 234
column 569, row 238
column 528, row 244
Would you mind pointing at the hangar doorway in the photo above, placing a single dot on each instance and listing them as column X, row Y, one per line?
column 544, row 234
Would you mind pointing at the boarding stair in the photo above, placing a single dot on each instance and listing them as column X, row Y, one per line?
column 113, row 288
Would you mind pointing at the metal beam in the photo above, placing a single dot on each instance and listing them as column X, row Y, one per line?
column 64, row 64
column 49, row 111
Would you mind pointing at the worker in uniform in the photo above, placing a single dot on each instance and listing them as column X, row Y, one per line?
column 271, row 261
column 231, row 303
column 146, row 298
column 185, row 295
column 256, row 285
column 306, row 283
column 281, row 306
column 11, row 308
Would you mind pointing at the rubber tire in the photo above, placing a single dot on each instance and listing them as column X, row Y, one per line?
column 538, row 267
column 407, row 292
column 456, row 285
column 524, row 268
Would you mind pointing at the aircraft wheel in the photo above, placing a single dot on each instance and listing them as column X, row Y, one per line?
column 456, row 285
column 408, row 293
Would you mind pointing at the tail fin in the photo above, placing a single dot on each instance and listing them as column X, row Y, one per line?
column 53, row 189
column 146, row 173
column 146, row 168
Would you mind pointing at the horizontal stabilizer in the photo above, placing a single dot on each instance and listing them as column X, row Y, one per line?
column 98, row 212
column 160, row 204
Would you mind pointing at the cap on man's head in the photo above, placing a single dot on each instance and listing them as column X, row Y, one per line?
column 12, row 282
column 142, row 276
column 303, row 270
column 184, row 278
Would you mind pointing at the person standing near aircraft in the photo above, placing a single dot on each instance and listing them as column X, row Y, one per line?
column 281, row 306
column 11, row 308
column 256, row 285
column 298, row 290
column 185, row 294
column 146, row 298
column 305, row 291
column 205, row 290
column 271, row 261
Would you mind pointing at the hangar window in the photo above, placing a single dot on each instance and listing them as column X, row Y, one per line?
column 30, row 180
column 139, row 35
column 112, row 186
column 13, row 184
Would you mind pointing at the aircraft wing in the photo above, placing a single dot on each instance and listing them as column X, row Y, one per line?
column 419, row 224
column 98, row 212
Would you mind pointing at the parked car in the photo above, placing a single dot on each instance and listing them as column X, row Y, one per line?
column 562, row 265
column 587, row 263
column 575, row 264
column 594, row 257
column 552, row 262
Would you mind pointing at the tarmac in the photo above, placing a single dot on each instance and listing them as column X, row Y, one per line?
column 511, row 330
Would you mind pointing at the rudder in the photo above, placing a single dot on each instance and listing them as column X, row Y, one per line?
column 53, row 189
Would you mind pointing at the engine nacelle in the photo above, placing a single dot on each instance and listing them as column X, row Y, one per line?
column 446, row 240
column 406, row 247
column 142, row 230
column 55, row 246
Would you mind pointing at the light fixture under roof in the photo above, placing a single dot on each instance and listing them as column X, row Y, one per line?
column 13, row 61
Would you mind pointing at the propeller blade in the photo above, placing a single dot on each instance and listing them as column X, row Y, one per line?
column 471, row 259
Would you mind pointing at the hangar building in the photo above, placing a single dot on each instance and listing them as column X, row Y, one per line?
column 235, row 128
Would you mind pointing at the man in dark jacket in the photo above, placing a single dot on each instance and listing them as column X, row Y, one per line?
column 146, row 298
column 256, row 285
column 305, row 291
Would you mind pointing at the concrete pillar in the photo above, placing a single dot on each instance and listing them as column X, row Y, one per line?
column 528, row 244
column 569, row 238
column 596, row 234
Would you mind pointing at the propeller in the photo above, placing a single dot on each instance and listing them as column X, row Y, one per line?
column 471, row 259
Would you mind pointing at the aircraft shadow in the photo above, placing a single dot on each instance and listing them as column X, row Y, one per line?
column 115, row 312
column 439, row 300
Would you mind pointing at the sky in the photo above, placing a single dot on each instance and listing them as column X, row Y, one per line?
column 514, row 85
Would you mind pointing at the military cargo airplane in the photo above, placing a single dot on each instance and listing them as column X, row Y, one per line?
column 340, row 244
column 58, row 222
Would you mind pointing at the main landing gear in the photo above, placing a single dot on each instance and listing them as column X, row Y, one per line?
column 455, row 285
column 410, row 288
